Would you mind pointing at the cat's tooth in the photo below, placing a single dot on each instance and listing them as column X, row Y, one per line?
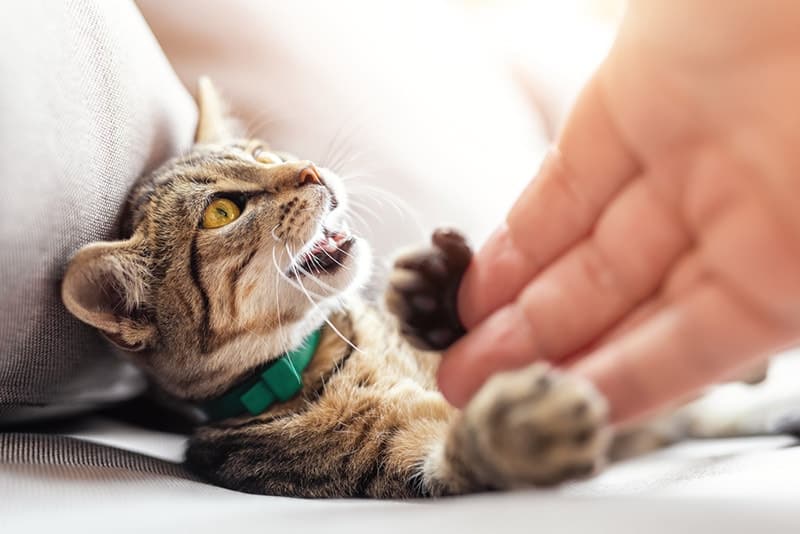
column 330, row 245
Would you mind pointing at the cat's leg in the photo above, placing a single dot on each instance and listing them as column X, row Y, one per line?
column 422, row 290
column 299, row 457
column 535, row 426
column 349, row 445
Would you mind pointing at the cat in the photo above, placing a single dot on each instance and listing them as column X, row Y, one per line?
column 235, row 289
column 234, row 255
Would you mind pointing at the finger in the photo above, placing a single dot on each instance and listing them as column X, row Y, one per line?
column 702, row 338
column 498, row 343
column 764, row 252
column 605, row 277
column 577, row 299
column 590, row 166
column 685, row 273
column 641, row 314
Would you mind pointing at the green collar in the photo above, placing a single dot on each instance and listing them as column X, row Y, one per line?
column 279, row 381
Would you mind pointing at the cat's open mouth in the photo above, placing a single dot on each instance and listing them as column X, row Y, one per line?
column 326, row 256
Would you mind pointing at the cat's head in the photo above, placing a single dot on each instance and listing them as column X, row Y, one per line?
column 233, row 254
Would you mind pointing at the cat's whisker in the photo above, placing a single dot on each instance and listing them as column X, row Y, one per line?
column 272, row 233
column 356, row 217
column 324, row 315
column 348, row 254
column 283, row 337
column 295, row 269
column 341, row 266
column 345, row 154
column 336, row 160
column 351, row 179
column 382, row 196
column 333, row 144
column 274, row 116
column 335, row 148
column 364, row 207
column 360, row 174
column 347, row 159
column 255, row 127
column 316, row 280
column 337, row 262
column 363, row 214
column 317, row 263
column 299, row 285
column 364, row 172
column 294, row 283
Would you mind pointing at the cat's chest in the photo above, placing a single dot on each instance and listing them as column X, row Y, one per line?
column 390, row 384
column 394, row 364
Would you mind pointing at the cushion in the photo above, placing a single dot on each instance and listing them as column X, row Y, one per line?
column 111, row 477
column 89, row 103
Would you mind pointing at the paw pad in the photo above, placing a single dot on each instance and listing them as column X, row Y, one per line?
column 538, row 426
column 423, row 288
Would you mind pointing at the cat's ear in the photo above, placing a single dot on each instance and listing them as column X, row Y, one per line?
column 105, row 286
column 214, row 124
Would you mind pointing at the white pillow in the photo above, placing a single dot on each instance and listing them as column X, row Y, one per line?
column 88, row 103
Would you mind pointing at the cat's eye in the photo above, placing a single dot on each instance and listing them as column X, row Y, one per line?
column 265, row 156
column 220, row 212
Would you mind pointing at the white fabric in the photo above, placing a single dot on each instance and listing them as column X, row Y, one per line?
column 88, row 103
column 731, row 486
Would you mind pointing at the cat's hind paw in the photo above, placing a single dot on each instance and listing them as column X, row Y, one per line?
column 423, row 287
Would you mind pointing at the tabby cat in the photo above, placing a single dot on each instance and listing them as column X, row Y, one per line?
column 235, row 289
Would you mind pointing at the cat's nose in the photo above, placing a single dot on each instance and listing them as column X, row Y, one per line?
column 308, row 175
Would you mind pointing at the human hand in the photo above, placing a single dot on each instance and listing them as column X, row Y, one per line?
column 658, row 250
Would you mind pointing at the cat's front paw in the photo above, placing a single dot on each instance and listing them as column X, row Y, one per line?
column 536, row 426
column 423, row 287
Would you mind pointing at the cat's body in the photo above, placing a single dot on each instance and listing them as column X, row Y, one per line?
column 359, row 427
column 370, row 422
column 234, row 255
